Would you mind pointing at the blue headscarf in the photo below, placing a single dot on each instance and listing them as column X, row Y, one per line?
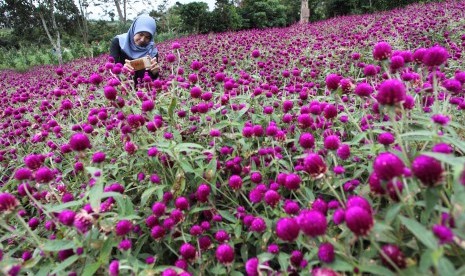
column 143, row 23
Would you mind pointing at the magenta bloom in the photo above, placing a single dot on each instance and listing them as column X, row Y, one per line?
column 113, row 268
column 34, row 161
column 188, row 251
column 332, row 81
column 440, row 119
column 427, row 169
column 312, row 223
column 443, row 233
column 8, row 203
column 306, row 140
column 123, row 227
column 251, row 267
column 395, row 255
column 23, row 174
column 44, row 175
column 292, row 181
column 332, row 142
column 235, row 182
column 363, row 89
column 315, row 165
column 435, row 56
column 387, row 166
column 391, row 92
column 66, row 217
column 359, row 220
column 98, row 157
column 326, row 252
column 225, row 253
column 382, row 50
column 386, row 138
column 287, row 229
column 79, row 142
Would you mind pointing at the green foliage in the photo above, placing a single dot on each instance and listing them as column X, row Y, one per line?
column 264, row 14
column 195, row 17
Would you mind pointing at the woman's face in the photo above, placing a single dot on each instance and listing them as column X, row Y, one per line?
column 142, row 39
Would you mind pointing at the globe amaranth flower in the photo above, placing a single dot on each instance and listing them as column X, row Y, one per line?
column 312, row 223
column 123, row 227
column 258, row 225
column 386, row 138
column 443, row 233
column 315, row 165
column 272, row 198
column 440, row 119
column 292, row 181
column 442, row 148
column 359, row 220
column 306, row 140
column 391, row 92
column 23, row 174
column 235, row 182
column 251, row 267
column 188, row 251
column 287, row 229
column 326, row 252
column 363, row 89
column 435, row 56
column 79, row 142
column 8, row 203
column 225, row 253
column 427, row 169
column 382, row 50
column 392, row 255
column 98, row 157
column 332, row 81
column 125, row 245
column 44, row 175
column 113, row 268
column 83, row 221
column 202, row 193
column 331, row 142
column 66, row 217
column 387, row 166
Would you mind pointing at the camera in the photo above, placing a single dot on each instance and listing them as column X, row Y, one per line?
column 141, row 63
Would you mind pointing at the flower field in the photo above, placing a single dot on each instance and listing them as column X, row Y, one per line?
column 334, row 148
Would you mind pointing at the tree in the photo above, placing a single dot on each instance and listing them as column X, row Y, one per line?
column 264, row 13
column 194, row 16
column 225, row 17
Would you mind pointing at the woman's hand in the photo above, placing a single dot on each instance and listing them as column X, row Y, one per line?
column 127, row 64
column 154, row 67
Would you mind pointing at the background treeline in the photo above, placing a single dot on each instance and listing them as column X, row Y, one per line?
column 31, row 31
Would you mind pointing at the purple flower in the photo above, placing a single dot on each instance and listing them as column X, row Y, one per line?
column 363, row 89
column 427, row 169
column 442, row 148
column 326, row 252
column 391, row 92
column 158, row 209
column 272, row 198
column 312, row 223
column 258, row 225
column 251, row 267
column 359, row 220
column 287, row 229
column 443, row 233
column 66, row 217
column 292, row 181
column 83, row 221
column 359, row 202
column 382, row 50
column 79, row 142
column 125, row 245
column 273, row 248
column 23, row 174
column 235, row 182
column 113, row 268
column 98, row 157
column 393, row 253
column 435, row 56
column 123, row 227
column 34, row 161
column 8, row 203
column 225, row 253
column 440, row 119
column 306, row 140
column 202, row 193
column 188, row 251
column 332, row 142
column 182, row 203
column 343, row 151
column 388, row 166
column 314, row 165
column 332, row 81
column 157, row 232
column 44, row 175
column 386, row 138
column 110, row 93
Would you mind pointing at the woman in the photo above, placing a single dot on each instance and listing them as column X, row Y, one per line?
column 137, row 43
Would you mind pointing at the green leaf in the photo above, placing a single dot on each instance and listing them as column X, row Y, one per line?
column 69, row 261
column 57, row 245
column 265, row 257
column 172, row 107
column 376, row 270
column 283, row 259
column 146, row 195
column 341, row 265
column 392, row 213
column 227, row 215
column 446, row 158
column 60, row 207
column 431, row 198
column 90, row 270
column 445, row 267
column 424, row 235
column 188, row 147
column 95, row 195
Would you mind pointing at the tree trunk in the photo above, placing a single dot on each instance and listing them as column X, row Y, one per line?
column 84, row 28
column 304, row 12
column 120, row 12
column 56, row 45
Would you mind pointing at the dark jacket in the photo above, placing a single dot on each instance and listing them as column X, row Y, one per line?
column 120, row 56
